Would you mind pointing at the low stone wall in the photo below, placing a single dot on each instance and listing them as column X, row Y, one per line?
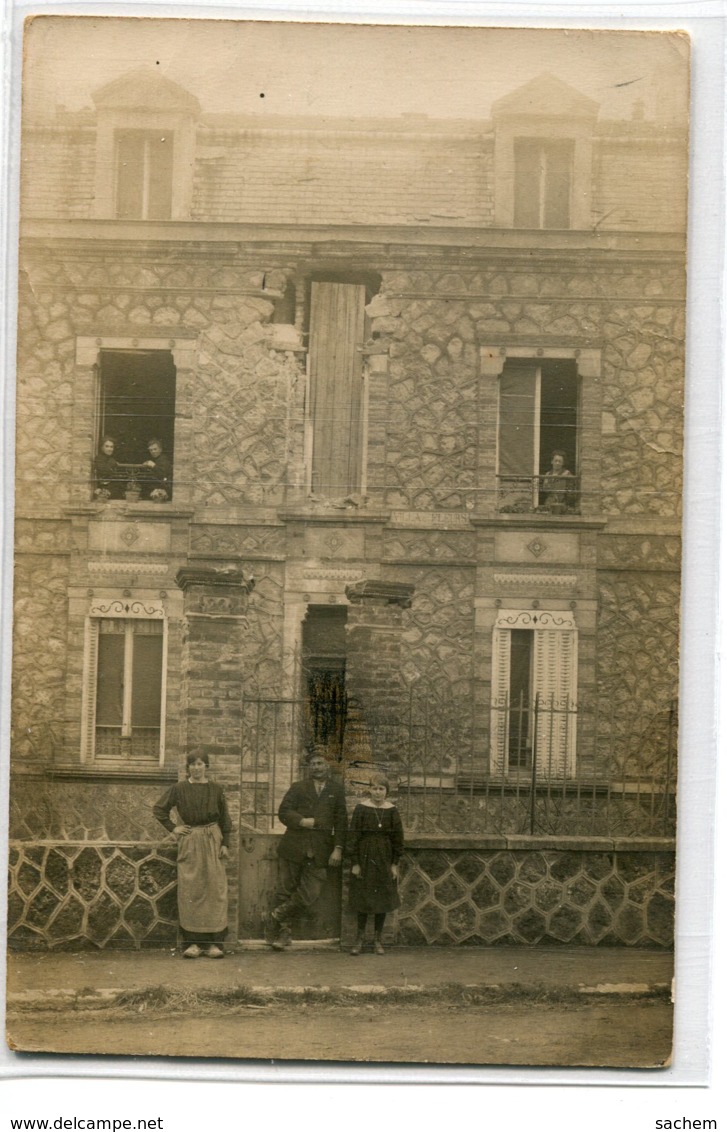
column 72, row 895
column 455, row 891
column 528, row 891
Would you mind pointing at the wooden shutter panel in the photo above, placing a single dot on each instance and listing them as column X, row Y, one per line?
column 558, row 177
column 160, row 157
column 336, row 337
column 499, row 700
column 90, row 675
column 554, row 683
column 129, row 174
column 517, row 435
column 528, row 177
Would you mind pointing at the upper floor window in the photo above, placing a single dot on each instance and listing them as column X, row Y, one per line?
column 538, row 436
column 144, row 164
column 135, row 426
column 543, row 182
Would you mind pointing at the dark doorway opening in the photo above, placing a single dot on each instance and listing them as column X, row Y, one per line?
column 324, row 677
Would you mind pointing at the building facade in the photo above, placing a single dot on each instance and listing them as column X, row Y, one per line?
column 418, row 388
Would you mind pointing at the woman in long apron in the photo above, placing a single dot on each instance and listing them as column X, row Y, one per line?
column 195, row 811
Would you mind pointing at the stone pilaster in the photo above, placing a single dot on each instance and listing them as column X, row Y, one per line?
column 376, row 691
column 213, row 631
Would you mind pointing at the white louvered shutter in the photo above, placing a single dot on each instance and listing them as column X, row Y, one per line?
column 90, row 675
column 554, row 683
column 499, row 703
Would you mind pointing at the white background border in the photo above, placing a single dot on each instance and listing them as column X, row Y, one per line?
column 607, row 1098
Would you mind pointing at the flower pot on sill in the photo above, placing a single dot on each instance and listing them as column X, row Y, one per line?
column 133, row 495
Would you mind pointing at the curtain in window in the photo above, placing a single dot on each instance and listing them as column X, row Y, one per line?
column 124, row 691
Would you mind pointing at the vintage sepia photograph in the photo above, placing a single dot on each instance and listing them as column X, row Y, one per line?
column 349, row 423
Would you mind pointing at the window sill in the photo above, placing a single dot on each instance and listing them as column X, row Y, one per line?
column 338, row 516
column 123, row 507
column 536, row 519
column 106, row 773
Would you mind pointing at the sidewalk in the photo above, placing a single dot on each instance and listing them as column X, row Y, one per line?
column 72, row 976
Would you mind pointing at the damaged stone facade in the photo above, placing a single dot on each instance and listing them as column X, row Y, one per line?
column 420, row 557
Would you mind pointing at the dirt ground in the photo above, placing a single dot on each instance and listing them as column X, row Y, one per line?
column 607, row 1032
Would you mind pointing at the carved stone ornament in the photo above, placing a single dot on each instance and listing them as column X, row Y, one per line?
column 230, row 578
column 126, row 607
column 562, row 619
column 390, row 593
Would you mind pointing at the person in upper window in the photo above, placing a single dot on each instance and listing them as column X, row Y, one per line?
column 557, row 485
column 158, row 472
column 107, row 474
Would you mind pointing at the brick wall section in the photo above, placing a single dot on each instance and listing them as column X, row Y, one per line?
column 57, row 173
column 260, row 178
column 213, row 645
column 213, row 635
column 374, row 685
column 629, row 181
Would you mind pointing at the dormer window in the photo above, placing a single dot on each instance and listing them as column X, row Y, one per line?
column 543, row 182
column 543, row 156
column 144, row 164
column 145, row 142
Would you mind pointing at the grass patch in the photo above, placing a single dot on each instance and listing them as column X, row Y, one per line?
column 166, row 1000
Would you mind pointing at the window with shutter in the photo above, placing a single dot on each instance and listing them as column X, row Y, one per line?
column 543, row 182
column 538, row 437
column 337, row 332
column 534, row 688
column 124, row 685
column 144, row 164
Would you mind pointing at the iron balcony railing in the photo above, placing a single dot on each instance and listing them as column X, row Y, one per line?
column 548, row 494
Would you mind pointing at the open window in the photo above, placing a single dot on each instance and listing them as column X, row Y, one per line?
column 137, row 393
column 538, row 437
column 534, row 683
column 124, row 686
column 144, row 166
column 543, row 182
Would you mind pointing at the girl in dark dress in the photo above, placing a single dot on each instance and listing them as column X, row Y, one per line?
column 202, row 829
column 376, row 841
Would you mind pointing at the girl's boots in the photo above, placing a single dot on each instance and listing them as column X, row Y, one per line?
column 378, row 945
column 357, row 944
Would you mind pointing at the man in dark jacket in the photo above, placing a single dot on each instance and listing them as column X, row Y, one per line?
column 314, row 814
